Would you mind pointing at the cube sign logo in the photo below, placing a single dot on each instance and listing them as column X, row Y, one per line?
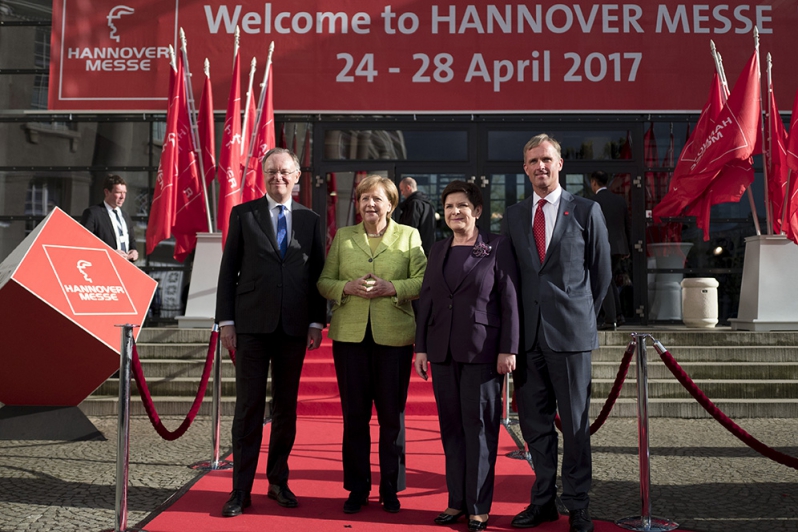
column 89, row 281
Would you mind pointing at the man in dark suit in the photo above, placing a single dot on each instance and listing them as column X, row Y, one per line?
column 269, row 311
column 109, row 222
column 417, row 211
column 563, row 252
column 616, row 213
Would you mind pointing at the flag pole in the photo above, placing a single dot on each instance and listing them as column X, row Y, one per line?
column 207, row 72
column 766, row 152
column 261, row 100
column 247, row 118
column 192, row 117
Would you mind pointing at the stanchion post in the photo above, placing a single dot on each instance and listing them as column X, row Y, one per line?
column 216, row 413
column 520, row 453
column 645, row 522
column 123, row 431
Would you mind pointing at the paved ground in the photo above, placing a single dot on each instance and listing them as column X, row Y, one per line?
column 702, row 477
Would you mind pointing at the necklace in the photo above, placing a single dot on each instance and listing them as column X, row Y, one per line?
column 376, row 235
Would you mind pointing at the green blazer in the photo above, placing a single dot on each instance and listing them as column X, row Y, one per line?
column 399, row 259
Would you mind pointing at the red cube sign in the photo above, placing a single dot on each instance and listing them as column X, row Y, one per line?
column 63, row 294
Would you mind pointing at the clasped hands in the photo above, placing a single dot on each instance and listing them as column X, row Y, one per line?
column 369, row 286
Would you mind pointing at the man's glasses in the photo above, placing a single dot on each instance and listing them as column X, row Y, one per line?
column 284, row 173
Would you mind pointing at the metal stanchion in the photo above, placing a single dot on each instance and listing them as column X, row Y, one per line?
column 644, row 522
column 123, row 432
column 216, row 413
column 520, row 453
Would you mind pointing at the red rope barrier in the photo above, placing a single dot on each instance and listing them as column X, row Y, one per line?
column 685, row 380
column 146, row 398
column 620, row 378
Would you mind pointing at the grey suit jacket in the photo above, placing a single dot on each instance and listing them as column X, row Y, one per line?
column 257, row 287
column 566, row 291
column 616, row 213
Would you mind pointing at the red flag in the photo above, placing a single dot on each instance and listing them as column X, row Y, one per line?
column 715, row 167
column 677, row 199
column 230, row 153
column 162, row 208
column 250, row 114
column 206, row 129
column 254, row 187
column 791, row 227
column 777, row 162
column 190, row 213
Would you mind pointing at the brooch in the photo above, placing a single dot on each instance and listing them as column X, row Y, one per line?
column 480, row 250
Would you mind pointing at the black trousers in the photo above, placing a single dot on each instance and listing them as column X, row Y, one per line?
column 469, row 412
column 557, row 381
column 255, row 352
column 372, row 374
column 612, row 301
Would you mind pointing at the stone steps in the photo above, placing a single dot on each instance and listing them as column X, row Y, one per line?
column 746, row 374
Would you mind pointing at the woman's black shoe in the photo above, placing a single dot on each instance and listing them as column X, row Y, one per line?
column 355, row 501
column 477, row 526
column 447, row 519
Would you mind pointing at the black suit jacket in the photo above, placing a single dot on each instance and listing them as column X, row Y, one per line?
column 477, row 319
column 417, row 211
column 257, row 287
column 96, row 220
column 616, row 214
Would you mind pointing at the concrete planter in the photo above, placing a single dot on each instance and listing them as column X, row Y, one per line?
column 700, row 302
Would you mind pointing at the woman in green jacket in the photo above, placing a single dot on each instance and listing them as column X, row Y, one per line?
column 373, row 271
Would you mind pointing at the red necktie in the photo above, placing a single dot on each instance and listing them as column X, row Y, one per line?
column 539, row 230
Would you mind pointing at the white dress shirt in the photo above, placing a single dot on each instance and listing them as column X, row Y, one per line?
column 124, row 237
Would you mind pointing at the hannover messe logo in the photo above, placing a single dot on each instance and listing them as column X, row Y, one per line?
column 89, row 281
column 115, row 14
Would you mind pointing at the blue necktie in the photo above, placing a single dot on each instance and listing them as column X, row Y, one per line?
column 282, row 231
column 120, row 231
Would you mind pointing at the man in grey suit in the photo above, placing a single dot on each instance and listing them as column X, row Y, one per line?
column 269, row 311
column 616, row 214
column 563, row 254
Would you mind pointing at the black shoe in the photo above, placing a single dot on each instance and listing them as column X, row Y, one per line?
column 535, row 514
column 611, row 326
column 239, row 499
column 447, row 519
column 390, row 503
column 477, row 526
column 283, row 496
column 620, row 319
column 355, row 501
column 580, row 521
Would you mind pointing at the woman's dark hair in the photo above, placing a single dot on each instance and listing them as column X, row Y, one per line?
column 471, row 191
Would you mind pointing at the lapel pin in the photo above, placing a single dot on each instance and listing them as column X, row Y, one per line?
column 565, row 213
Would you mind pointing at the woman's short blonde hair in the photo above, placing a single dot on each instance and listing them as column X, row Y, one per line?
column 371, row 182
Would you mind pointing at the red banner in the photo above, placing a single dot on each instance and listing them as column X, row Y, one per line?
column 409, row 56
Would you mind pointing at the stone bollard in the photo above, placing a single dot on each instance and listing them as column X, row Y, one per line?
column 700, row 302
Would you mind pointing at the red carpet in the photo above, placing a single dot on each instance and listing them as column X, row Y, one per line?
column 316, row 478
column 318, row 389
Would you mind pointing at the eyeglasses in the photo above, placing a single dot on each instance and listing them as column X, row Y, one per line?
column 284, row 173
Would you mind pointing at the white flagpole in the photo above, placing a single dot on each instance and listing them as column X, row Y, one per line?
column 247, row 118
column 767, row 147
column 261, row 99
column 192, row 117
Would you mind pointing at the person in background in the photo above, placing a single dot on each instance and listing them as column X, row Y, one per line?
column 616, row 214
column 467, row 327
column 417, row 211
column 270, row 312
column 563, row 252
column 373, row 271
column 109, row 222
